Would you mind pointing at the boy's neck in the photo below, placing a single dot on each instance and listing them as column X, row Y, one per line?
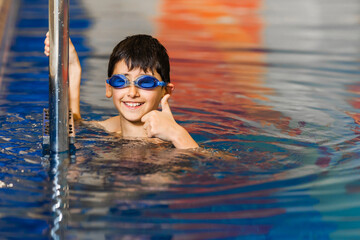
column 132, row 130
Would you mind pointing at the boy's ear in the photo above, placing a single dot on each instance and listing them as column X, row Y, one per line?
column 109, row 90
column 169, row 88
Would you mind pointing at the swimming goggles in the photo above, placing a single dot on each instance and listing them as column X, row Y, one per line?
column 144, row 82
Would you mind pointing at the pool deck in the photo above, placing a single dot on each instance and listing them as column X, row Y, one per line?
column 4, row 10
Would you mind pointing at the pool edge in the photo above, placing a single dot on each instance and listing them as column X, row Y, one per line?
column 8, row 15
column 4, row 10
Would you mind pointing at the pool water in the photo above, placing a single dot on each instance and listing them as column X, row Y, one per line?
column 268, row 88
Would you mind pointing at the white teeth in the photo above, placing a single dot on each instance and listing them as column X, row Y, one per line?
column 132, row 104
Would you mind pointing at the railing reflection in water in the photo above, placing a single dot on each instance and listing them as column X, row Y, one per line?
column 59, row 164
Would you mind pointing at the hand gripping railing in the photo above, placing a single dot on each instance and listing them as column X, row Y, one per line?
column 56, row 119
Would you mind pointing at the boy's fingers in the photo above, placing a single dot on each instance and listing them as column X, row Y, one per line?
column 146, row 128
column 164, row 104
column 145, row 118
column 148, row 115
column 46, row 50
column 146, row 125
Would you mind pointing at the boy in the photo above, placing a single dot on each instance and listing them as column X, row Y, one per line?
column 139, row 80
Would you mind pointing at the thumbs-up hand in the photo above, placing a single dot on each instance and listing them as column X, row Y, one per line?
column 161, row 124
column 165, row 108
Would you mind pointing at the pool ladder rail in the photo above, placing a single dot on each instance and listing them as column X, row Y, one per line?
column 46, row 132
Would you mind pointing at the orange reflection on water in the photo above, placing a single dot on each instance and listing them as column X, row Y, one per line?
column 355, row 103
column 217, row 64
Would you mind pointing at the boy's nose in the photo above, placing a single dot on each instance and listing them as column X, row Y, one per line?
column 133, row 91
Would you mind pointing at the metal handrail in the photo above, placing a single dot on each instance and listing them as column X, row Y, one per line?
column 59, row 75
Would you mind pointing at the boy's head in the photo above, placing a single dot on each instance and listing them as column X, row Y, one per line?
column 144, row 52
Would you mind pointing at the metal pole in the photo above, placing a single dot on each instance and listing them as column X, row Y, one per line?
column 59, row 75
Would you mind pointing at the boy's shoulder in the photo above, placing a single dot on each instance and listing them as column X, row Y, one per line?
column 111, row 125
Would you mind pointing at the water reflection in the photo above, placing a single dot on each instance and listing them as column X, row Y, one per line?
column 117, row 187
column 217, row 61
column 60, row 193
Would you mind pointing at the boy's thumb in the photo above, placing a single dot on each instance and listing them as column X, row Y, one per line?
column 164, row 104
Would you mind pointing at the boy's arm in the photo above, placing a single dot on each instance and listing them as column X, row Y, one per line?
column 74, row 81
column 182, row 139
column 74, row 77
column 163, row 125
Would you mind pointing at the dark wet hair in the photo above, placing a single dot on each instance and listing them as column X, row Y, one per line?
column 141, row 51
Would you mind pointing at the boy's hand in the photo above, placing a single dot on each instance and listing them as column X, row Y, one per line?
column 161, row 124
column 47, row 45
column 73, row 57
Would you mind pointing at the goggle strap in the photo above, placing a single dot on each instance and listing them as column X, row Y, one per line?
column 162, row 84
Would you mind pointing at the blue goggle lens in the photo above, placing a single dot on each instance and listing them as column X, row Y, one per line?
column 117, row 82
column 147, row 82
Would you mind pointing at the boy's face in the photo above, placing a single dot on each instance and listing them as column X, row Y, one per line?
column 132, row 102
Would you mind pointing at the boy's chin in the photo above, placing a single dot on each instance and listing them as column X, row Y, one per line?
column 132, row 119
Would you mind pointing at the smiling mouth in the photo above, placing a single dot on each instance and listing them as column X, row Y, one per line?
column 133, row 104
